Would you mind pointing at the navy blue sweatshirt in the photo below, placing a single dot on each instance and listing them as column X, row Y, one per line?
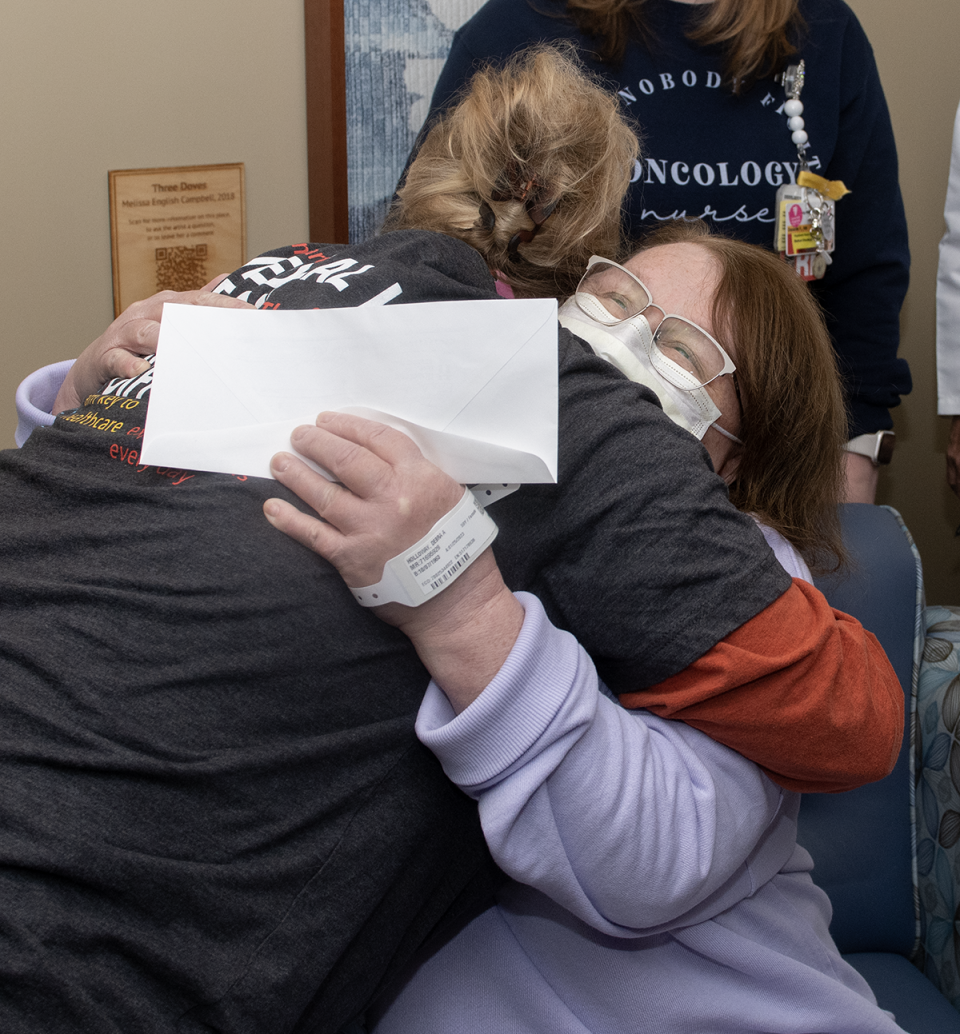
column 710, row 154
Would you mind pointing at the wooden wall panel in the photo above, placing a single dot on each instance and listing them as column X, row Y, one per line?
column 326, row 120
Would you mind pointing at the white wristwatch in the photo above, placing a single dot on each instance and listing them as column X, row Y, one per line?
column 877, row 447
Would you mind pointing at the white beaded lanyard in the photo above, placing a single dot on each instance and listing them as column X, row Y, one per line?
column 805, row 231
column 792, row 80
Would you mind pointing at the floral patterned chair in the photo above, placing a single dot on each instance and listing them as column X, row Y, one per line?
column 938, row 800
column 894, row 883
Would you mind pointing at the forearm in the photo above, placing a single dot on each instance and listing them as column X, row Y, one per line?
column 860, row 479
column 552, row 762
column 464, row 635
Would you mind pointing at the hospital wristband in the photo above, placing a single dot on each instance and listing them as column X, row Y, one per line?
column 436, row 561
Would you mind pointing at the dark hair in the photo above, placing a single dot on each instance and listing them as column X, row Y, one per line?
column 793, row 421
column 757, row 36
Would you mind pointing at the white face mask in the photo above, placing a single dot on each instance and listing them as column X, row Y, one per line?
column 627, row 346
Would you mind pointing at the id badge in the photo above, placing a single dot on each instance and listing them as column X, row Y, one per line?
column 805, row 228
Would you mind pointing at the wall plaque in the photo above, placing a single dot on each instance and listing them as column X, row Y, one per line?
column 174, row 229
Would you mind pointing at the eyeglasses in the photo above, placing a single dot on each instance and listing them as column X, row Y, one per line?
column 681, row 351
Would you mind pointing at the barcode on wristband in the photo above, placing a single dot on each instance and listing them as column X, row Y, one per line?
column 450, row 572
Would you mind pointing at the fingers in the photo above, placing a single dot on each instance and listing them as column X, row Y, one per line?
column 137, row 330
column 308, row 531
column 139, row 327
column 390, row 445
column 362, row 470
column 123, row 363
column 364, row 454
column 389, row 498
column 119, row 351
column 215, row 282
column 152, row 308
column 343, row 537
column 314, row 489
column 220, row 301
column 339, row 507
column 375, row 462
column 138, row 335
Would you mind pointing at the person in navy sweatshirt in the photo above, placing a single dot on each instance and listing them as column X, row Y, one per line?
column 701, row 81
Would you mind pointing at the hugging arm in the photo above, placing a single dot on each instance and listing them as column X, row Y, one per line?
column 389, row 498
column 801, row 689
column 119, row 352
column 516, row 716
column 632, row 823
column 801, row 665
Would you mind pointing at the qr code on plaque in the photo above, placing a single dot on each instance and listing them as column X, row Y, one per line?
column 181, row 268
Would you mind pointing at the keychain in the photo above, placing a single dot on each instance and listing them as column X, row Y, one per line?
column 805, row 227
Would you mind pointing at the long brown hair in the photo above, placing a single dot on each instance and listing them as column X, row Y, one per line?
column 793, row 420
column 536, row 132
column 757, row 36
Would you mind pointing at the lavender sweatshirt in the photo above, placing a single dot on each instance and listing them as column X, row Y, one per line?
column 657, row 883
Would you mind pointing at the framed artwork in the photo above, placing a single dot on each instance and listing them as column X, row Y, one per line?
column 371, row 68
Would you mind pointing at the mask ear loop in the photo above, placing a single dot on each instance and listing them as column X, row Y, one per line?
column 717, row 427
column 726, row 433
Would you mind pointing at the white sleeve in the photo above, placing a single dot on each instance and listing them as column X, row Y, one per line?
column 35, row 398
column 788, row 554
column 948, row 292
column 629, row 821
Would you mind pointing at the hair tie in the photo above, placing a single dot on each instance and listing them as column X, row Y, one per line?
column 487, row 217
column 539, row 214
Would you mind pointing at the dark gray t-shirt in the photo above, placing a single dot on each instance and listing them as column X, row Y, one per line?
column 214, row 814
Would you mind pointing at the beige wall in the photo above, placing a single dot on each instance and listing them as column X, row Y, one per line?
column 120, row 84
column 916, row 48
column 114, row 84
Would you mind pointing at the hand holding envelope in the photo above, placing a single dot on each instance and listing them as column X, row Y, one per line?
column 473, row 383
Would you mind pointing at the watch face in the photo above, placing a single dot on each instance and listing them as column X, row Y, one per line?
column 885, row 446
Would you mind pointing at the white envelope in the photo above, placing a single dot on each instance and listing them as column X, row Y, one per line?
column 474, row 383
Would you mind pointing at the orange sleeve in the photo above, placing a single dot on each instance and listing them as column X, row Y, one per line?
column 801, row 689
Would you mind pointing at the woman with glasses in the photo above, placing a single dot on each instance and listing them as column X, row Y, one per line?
column 702, row 78
column 657, row 885
column 759, row 387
